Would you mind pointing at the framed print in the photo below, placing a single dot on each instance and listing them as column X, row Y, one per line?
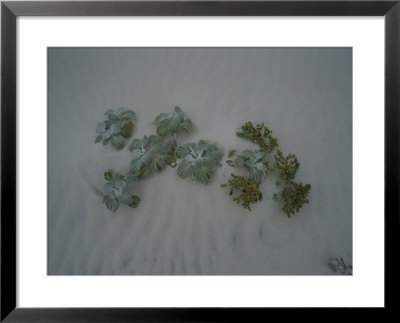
column 175, row 160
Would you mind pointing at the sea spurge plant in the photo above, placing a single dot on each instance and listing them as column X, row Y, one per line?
column 198, row 160
column 248, row 191
column 172, row 123
column 294, row 196
column 259, row 134
column 286, row 166
column 147, row 156
column 116, row 128
column 116, row 190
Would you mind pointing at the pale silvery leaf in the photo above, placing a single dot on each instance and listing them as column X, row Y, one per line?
column 135, row 166
column 135, row 144
column 116, row 190
column 100, row 128
column 248, row 154
column 132, row 181
column 184, row 170
column 189, row 158
column 125, row 114
column 125, row 198
column 112, row 204
column 120, row 184
column 256, row 176
column 260, row 167
column 203, row 174
column 172, row 123
column 146, row 152
column 239, row 162
column 108, row 188
column 118, row 142
column 137, row 153
column 158, row 164
column 254, row 161
column 116, row 128
column 198, row 161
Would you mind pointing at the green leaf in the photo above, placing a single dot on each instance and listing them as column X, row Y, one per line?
column 98, row 139
column 118, row 142
column 132, row 181
column 239, row 162
column 126, row 198
column 256, row 176
column 145, row 172
column 126, row 130
column 108, row 176
column 204, row 174
column 135, row 144
column 100, row 128
column 112, row 204
column 158, row 164
column 108, row 188
column 184, row 170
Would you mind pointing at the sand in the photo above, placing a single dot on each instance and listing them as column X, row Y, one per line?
column 182, row 227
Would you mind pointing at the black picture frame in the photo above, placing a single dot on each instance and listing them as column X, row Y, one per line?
column 9, row 13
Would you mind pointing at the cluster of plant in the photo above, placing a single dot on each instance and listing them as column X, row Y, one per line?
column 338, row 265
column 258, row 163
column 153, row 153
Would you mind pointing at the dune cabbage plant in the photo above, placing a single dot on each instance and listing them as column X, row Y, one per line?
column 255, row 161
column 172, row 123
column 147, row 156
column 116, row 190
column 116, row 128
column 198, row 160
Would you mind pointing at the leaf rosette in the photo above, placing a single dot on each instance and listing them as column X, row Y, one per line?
column 116, row 190
column 255, row 161
column 116, row 128
column 198, row 160
column 147, row 156
column 172, row 123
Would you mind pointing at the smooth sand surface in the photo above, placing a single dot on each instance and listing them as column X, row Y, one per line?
column 182, row 227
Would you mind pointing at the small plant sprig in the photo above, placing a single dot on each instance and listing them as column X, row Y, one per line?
column 294, row 196
column 286, row 166
column 172, row 123
column 116, row 190
column 249, row 191
column 198, row 160
column 116, row 128
column 259, row 134
column 340, row 267
column 147, row 156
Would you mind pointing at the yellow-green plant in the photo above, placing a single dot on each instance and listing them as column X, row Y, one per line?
column 293, row 195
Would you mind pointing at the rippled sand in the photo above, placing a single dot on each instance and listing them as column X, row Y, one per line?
column 182, row 227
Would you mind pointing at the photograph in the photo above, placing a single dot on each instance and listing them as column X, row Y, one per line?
column 199, row 161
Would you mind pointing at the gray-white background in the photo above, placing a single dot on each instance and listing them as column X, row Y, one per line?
column 182, row 227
